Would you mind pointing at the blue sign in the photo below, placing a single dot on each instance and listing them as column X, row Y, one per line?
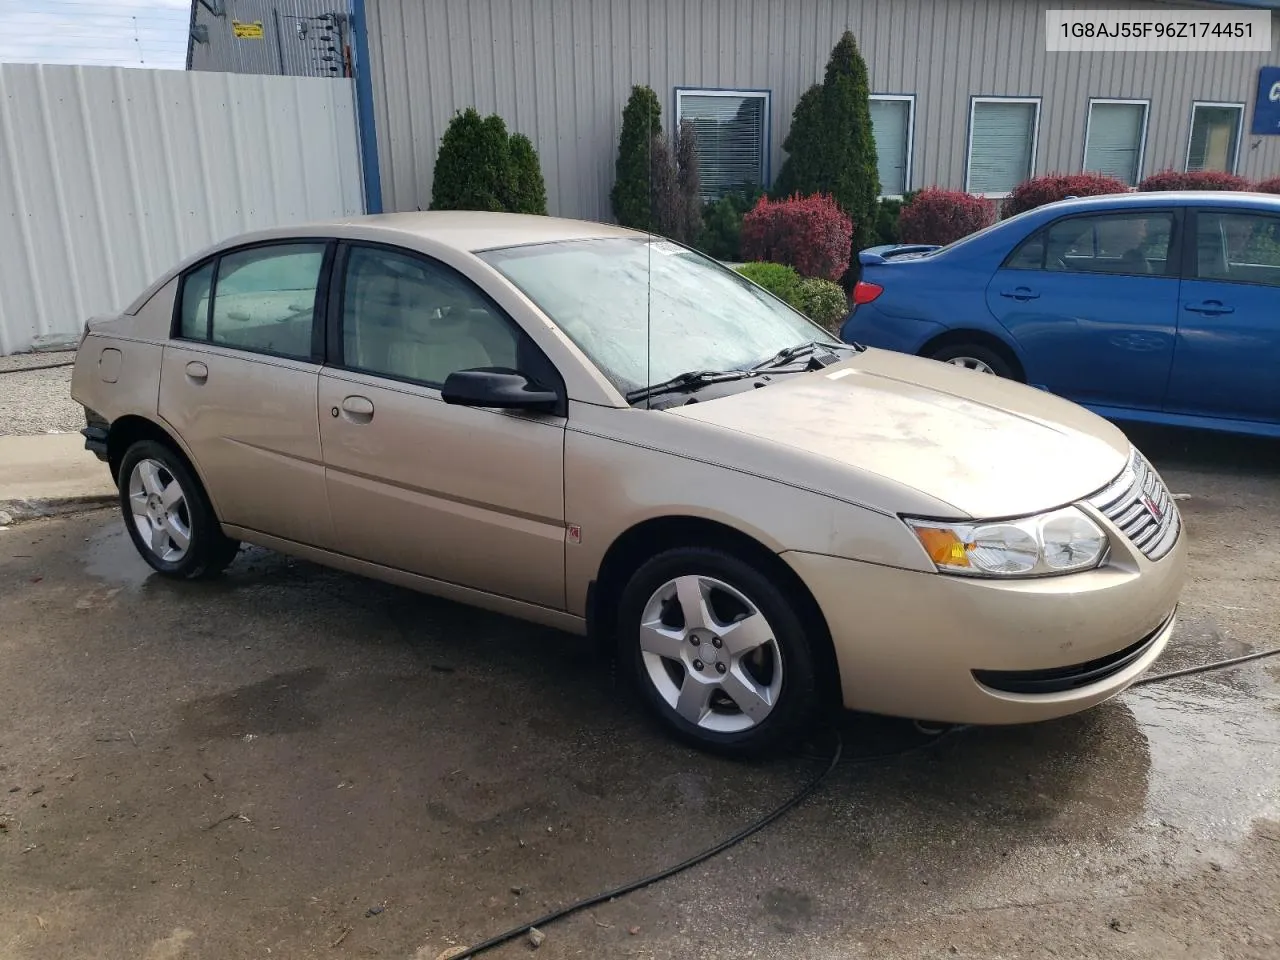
column 1266, row 108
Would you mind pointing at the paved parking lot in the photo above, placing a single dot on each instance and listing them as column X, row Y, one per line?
column 292, row 762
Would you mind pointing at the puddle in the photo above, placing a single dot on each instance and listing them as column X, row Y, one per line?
column 1213, row 742
column 112, row 556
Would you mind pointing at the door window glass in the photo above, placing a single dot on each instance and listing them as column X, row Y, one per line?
column 193, row 322
column 409, row 318
column 264, row 299
column 1131, row 244
column 1239, row 247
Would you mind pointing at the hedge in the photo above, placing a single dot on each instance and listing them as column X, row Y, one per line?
column 1038, row 191
column 811, row 234
column 940, row 216
column 820, row 300
column 1193, row 180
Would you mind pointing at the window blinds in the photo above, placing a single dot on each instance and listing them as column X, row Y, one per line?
column 1000, row 145
column 730, row 131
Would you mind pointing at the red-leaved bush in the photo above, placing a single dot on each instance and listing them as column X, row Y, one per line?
column 810, row 233
column 1038, row 191
column 1193, row 180
column 1270, row 185
column 940, row 216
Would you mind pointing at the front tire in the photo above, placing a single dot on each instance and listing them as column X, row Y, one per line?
column 717, row 652
column 169, row 517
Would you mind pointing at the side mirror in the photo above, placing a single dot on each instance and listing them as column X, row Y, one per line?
column 500, row 388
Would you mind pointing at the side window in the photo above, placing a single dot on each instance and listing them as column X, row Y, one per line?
column 406, row 317
column 1240, row 247
column 193, row 322
column 264, row 299
column 1029, row 256
column 1130, row 244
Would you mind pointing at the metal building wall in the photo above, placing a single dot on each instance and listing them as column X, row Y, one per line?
column 560, row 72
column 110, row 176
column 290, row 44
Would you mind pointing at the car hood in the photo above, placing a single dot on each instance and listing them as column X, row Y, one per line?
column 985, row 446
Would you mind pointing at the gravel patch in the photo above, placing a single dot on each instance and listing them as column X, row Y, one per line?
column 37, row 401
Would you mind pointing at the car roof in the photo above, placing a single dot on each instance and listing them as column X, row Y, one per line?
column 474, row 230
column 1179, row 198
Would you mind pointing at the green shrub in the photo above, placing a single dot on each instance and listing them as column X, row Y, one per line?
column 479, row 167
column 473, row 168
column 887, row 221
column 822, row 301
column 782, row 281
column 529, row 190
column 630, row 196
column 721, row 234
column 831, row 147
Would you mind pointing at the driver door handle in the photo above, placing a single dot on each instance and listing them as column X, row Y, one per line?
column 1020, row 293
column 197, row 371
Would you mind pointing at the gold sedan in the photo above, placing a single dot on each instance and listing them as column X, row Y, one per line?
column 596, row 429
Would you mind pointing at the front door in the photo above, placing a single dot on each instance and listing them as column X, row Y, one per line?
column 238, row 384
column 473, row 497
column 1228, row 350
column 1092, row 302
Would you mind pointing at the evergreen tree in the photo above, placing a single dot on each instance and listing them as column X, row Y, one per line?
column 631, row 197
column 831, row 147
column 529, row 190
column 473, row 168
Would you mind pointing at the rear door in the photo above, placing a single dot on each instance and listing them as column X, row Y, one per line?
column 1227, row 361
column 1092, row 301
column 238, row 384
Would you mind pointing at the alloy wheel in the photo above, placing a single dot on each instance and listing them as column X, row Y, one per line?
column 159, row 511
column 710, row 654
column 971, row 363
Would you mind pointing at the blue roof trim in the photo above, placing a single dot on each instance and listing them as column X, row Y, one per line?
column 364, row 110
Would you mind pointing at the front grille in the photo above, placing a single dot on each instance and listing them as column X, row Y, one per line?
column 1061, row 679
column 1139, row 504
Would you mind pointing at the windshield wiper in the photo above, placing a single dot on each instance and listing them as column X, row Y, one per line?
column 692, row 380
column 791, row 354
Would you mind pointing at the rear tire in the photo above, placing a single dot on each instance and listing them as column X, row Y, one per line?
column 168, row 514
column 718, row 654
column 975, row 357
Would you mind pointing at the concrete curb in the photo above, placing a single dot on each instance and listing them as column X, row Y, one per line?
column 20, row 511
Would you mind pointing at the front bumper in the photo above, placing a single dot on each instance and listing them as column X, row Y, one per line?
column 916, row 644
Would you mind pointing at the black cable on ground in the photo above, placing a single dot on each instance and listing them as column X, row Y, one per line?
column 1206, row 667
column 804, row 793
column 42, row 366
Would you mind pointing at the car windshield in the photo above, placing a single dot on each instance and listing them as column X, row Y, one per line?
column 645, row 311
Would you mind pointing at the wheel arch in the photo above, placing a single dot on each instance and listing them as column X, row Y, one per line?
column 964, row 335
column 648, row 538
column 127, row 430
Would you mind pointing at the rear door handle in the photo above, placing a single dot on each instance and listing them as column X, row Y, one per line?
column 1211, row 308
column 358, row 409
column 197, row 371
column 1020, row 293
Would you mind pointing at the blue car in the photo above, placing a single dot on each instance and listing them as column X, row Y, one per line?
column 1158, row 307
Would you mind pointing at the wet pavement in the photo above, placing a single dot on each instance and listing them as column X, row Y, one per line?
column 293, row 762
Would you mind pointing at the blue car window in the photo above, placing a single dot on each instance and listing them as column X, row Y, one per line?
column 1239, row 247
column 1130, row 244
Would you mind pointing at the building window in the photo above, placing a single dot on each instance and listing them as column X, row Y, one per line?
column 1002, row 143
column 892, row 120
column 1114, row 138
column 732, row 128
column 1215, row 136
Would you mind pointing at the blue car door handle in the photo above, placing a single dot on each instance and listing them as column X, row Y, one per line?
column 1213, row 308
column 1020, row 293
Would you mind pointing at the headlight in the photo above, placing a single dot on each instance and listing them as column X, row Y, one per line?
column 1063, row 541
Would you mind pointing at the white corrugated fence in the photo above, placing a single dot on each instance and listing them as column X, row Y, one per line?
column 108, row 176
